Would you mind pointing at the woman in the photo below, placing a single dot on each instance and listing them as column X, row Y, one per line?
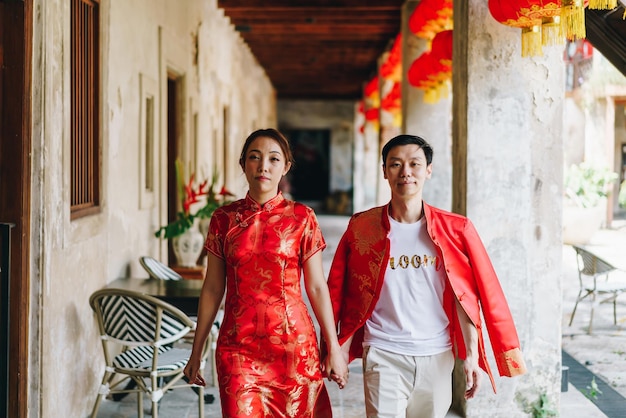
column 267, row 355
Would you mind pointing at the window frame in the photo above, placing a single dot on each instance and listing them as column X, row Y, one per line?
column 85, row 151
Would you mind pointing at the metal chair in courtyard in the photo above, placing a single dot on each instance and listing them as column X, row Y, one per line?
column 143, row 330
column 596, row 280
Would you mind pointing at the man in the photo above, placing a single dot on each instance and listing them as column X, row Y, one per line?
column 407, row 283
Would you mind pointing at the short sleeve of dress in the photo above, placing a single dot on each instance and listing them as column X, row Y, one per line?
column 214, row 242
column 312, row 238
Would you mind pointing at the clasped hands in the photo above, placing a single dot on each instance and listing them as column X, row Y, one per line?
column 335, row 367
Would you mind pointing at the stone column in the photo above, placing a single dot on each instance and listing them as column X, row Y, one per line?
column 372, row 171
column 507, row 177
column 431, row 121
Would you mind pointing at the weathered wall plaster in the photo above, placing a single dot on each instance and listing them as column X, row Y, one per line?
column 141, row 39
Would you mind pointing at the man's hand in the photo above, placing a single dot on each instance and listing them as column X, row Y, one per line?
column 472, row 376
column 335, row 366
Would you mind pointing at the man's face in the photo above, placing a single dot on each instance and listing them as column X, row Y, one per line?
column 406, row 170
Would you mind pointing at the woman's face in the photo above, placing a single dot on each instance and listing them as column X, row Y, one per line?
column 264, row 165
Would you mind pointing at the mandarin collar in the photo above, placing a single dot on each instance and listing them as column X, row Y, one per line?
column 268, row 206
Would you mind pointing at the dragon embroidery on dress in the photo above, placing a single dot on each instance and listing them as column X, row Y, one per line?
column 240, row 222
column 365, row 282
column 292, row 403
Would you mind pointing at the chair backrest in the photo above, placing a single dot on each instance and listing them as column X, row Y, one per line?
column 158, row 270
column 134, row 319
column 590, row 264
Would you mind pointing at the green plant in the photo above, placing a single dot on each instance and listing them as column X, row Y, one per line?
column 214, row 200
column 543, row 408
column 592, row 390
column 586, row 185
column 189, row 193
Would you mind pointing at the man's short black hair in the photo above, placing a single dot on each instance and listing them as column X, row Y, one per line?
column 408, row 140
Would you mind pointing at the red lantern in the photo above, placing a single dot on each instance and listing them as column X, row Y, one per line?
column 431, row 17
column 442, row 47
column 508, row 12
column 391, row 102
column 392, row 67
column 558, row 17
column 550, row 18
column 549, row 13
column 371, row 88
column 371, row 94
column 371, row 114
column 431, row 72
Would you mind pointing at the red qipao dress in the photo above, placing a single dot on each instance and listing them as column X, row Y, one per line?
column 267, row 355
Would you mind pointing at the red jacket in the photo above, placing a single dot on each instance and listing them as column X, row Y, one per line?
column 358, row 270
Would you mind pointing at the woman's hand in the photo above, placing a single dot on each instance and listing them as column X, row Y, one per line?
column 336, row 367
column 192, row 370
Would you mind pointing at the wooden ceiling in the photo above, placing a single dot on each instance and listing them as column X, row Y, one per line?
column 325, row 49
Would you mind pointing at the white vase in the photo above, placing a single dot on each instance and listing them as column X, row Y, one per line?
column 188, row 246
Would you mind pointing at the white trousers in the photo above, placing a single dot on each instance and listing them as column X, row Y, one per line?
column 401, row 386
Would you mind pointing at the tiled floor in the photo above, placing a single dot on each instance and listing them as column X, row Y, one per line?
column 182, row 403
column 606, row 362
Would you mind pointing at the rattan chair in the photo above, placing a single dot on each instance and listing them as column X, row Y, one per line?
column 143, row 330
column 596, row 279
column 158, row 270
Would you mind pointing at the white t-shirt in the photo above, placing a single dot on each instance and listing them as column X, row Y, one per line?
column 409, row 317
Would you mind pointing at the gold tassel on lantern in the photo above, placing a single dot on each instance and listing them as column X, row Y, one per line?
column 431, row 95
column 444, row 89
column 573, row 19
column 602, row 4
column 531, row 41
column 551, row 31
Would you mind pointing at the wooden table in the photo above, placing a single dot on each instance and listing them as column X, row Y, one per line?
column 190, row 273
column 183, row 294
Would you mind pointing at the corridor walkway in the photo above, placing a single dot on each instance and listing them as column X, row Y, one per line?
column 605, row 351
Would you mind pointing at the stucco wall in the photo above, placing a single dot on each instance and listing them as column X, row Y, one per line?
column 141, row 42
column 514, row 188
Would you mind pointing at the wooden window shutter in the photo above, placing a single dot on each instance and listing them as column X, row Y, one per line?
column 85, row 97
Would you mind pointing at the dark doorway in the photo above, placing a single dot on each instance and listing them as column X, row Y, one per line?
column 309, row 178
column 15, row 188
column 172, row 155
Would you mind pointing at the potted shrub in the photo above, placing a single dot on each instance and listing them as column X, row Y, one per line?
column 183, row 231
column 190, row 194
column 586, row 188
column 188, row 231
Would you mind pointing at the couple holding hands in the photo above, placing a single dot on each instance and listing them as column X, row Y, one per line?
column 404, row 293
